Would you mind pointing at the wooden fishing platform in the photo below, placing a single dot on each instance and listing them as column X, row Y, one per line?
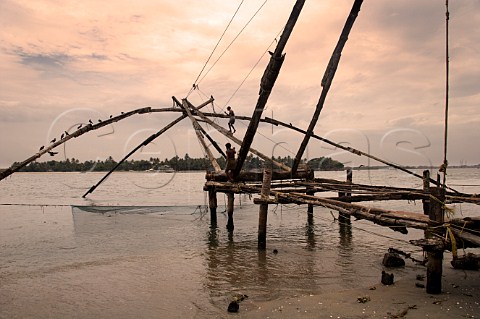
column 278, row 183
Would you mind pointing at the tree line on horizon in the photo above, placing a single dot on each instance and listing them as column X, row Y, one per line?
column 176, row 163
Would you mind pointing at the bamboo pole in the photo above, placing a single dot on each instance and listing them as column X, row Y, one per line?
column 144, row 143
column 266, row 85
column 198, row 130
column 89, row 127
column 327, row 79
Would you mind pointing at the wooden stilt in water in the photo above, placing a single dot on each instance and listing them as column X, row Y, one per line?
column 212, row 203
column 435, row 253
column 263, row 210
column 230, row 201
column 344, row 218
column 426, row 189
column 311, row 192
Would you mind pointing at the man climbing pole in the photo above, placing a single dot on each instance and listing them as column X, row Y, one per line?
column 231, row 121
column 230, row 166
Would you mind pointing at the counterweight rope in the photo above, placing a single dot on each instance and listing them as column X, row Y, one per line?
column 234, row 39
column 213, row 51
column 447, row 71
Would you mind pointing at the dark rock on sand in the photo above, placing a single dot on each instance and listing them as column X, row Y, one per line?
column 393, row 260
column 387, row 279
column 233, row 307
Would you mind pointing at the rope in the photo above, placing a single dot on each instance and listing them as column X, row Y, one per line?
column 447, row 71
column 234, row 39
column 195, row 84
column 251, row 70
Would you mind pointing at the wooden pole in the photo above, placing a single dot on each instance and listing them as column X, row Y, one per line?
column 212, row 203
column 198, row 131
column 230, row 202
column 263, row 209
column 349, row 149
column 87, row 128
column 327, row 79
column 266, row 85
column 426, row 190
column 344, row 218
column 193, row 109
column 435, row 254
column 239, row 142
column 310, row 191
column 144, row 143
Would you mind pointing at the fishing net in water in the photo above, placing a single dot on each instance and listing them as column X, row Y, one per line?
column 143, row 210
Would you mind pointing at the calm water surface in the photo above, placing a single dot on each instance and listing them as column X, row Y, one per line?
column 141, row 246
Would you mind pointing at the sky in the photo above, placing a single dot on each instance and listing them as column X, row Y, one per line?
column 64, row 62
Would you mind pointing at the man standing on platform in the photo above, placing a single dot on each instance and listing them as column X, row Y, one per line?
column 231, row 121
column 230, row 161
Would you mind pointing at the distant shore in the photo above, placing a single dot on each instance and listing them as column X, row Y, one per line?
column 354, row 168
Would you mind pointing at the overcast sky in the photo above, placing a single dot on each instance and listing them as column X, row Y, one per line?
column 64, row 62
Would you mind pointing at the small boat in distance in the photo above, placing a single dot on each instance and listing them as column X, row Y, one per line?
column 163, row 169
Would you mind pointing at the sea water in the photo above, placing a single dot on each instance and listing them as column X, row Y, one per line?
column 141, row 245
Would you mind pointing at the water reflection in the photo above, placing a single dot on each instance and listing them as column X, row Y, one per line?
column 310, row 232
column 345, row 232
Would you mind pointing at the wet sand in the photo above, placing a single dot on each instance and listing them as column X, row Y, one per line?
column 460, row 298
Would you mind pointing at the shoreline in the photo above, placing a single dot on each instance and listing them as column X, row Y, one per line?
column 460, row 298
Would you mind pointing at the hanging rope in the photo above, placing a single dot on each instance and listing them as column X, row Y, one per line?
column 443, row 168
column 234, row 39
column 195, row 84
column 251, row 70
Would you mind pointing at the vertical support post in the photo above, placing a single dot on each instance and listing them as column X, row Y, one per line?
column 435, row 254
column 342, row 218
column 230, row 201
column 426, row 190
column 311, row 192
column 212, row 203
column 263, row 210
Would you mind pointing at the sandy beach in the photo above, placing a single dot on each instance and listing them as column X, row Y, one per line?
column 460, row 298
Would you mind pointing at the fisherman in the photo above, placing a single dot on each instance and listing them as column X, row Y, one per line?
column 230, row 161
column 231, row 121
